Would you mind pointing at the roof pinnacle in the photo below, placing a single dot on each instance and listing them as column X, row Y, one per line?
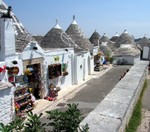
column 125, row 31
column 74, row 21
column 57, row 25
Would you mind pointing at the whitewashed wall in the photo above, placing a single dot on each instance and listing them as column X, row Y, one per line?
column 7, row 39
column 49, row 58
column 61, row 81
column 87, row 64
column 91, row 58
column 130, row 59
column 145, row 54
column 79, row 69
column 95, row 50
column 29, row 53
column 6, row 103
column 7, row 48
column 83, row 67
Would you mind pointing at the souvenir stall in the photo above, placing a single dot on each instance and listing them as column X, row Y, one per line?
column 23, row 100
column 32, row 75
column 59, row 69
column 12, row 72
column 22, row 95
column 55, row 71
column 33, row 57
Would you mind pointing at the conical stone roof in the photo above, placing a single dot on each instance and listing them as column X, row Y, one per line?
column 38, row 38
column 143, row 42
column 57, row 38
column 115, row 38
column 77, row 36
column 104, row 38
column 127, row 50
column 124, row 38
column 95, row 37
column 22, row 36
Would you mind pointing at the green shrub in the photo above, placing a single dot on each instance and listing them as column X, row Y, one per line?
column 16, row 125
column 34, row 124
column 67, row 121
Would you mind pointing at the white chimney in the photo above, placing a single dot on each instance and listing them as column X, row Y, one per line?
column 7, row 39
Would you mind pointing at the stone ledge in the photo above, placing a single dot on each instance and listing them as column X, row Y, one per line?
column 98, row 123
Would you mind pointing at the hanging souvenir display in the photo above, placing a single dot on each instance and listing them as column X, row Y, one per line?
column 54, row 71
column 4, row 68
column 25, row 78
column 22, row 100
column 64, row 69
column 11, row 78
column 1, row 69
column 13, row 71
column 29, row 71
column 56, row 58
column 19, row 79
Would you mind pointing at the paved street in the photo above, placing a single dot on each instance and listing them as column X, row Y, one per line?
column 93, row 92
column 96, row 89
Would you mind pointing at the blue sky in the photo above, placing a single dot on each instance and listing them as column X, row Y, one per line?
column 106, row 16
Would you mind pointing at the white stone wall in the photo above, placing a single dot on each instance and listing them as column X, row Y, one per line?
column 79, row 71
column 61, row 81
column 84, row 67
column 145, row 54
column 6, row 103
column 130, row 60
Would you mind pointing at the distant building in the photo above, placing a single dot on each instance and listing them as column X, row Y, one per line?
column 127, row 54
column 95, row 38
column 144, row 44
column 115, row 38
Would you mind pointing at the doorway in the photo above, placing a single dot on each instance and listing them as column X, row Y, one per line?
column 34, row 79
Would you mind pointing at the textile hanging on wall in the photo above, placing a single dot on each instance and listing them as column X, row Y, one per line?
column 54, row 71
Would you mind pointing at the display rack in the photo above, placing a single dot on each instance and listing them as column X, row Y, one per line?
column 54, row 71
column 22, row 100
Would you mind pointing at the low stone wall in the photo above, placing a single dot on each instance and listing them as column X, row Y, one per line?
column 6, row 103
column 114, row 112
